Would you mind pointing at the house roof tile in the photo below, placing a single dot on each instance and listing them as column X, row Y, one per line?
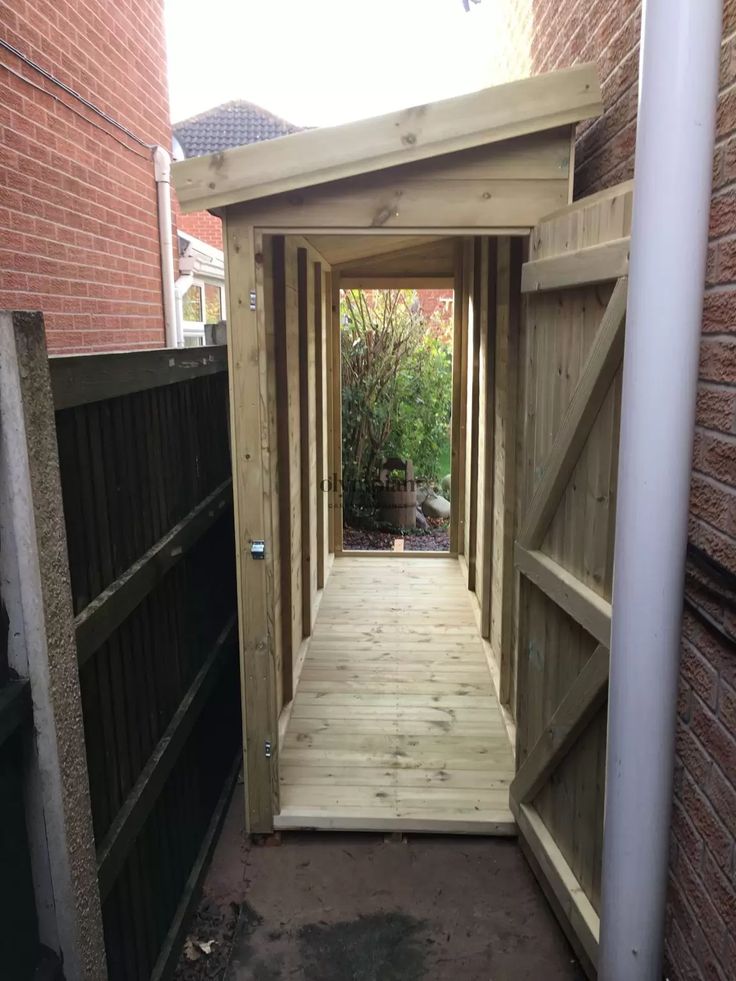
column 229, row 125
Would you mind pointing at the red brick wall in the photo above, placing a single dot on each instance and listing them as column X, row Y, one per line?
column 78, row 226
column 702, row 909
column 204, row 226
column 566, row 32
column 437, row 307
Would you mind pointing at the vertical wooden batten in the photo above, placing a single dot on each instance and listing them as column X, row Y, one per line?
column 336, row 496
column 249, row 401
column 473, row 334
column 320, row 322
column 282, row 470
column 305, row 301
column 329, row 409
column 293, row 411
column 510, row 257
column 491, row 250
column 457, row 439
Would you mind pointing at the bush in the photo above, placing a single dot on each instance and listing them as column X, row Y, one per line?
column 421, row 426
column 396, row 388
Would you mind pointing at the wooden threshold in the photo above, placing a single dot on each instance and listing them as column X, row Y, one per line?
column 395, row 725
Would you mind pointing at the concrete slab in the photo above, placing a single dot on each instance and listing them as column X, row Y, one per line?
column 369, row 907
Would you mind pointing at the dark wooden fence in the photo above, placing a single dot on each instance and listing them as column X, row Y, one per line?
column 143, row 443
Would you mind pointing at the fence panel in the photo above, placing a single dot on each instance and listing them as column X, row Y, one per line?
column 144, row 457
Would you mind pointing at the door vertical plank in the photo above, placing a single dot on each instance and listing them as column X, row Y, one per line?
column 249, row 400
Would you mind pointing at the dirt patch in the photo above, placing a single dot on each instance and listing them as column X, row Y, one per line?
column 435, row 540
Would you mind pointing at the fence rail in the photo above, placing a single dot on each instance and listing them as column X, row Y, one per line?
column 145, row 475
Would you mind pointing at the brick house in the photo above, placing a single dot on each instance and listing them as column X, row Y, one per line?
column 231, row 124
column 83, row 102
column 200, row 288
column 554, row 34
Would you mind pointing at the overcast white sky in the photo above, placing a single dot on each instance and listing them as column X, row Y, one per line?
column 322, row 62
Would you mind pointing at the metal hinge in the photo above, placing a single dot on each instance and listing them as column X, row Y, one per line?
column 258, row 550
column 252, row 299
column 267, row 749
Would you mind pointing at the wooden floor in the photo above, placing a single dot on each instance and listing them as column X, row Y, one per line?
column 395, row 725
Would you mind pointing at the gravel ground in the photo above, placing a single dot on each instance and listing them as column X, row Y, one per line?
column 436, row 540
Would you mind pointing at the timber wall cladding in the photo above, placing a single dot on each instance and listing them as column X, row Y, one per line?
column 295, row 295
column 572, row 347
column 488, row 336
column 145, row 473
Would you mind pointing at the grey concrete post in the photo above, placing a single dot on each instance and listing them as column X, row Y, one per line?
column 36, row 591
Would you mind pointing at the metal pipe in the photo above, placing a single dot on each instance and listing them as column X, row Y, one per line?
column 162, row 174
column 674, row 154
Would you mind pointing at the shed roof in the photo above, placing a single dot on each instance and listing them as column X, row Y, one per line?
column 326, row 154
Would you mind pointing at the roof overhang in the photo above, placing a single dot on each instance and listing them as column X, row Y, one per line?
column 318, row 156
column 199, row 258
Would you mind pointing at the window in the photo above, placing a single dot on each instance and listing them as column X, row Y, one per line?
column 212, row 303
column 202, row 303
column 192, row 304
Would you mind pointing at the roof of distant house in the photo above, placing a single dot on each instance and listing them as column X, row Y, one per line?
column 229, row 125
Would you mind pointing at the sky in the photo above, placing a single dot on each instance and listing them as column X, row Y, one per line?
column 324, row 62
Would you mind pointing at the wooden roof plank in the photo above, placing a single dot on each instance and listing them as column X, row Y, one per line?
column 344, row 249
column 332, row 153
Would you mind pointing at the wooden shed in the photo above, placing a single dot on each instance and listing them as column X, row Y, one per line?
column 464, row 692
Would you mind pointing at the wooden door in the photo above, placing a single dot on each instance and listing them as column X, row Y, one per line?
column 571, row 352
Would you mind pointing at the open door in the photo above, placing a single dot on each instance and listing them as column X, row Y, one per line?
column 571, row 355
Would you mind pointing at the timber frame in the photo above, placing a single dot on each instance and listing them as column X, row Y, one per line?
column 475, row 193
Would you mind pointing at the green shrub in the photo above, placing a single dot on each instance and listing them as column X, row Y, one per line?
column 421, row 423
column 396, row 391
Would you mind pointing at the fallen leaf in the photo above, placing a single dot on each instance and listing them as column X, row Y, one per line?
column 190, row 950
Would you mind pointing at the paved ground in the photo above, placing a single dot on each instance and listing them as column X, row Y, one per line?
column 336, row 907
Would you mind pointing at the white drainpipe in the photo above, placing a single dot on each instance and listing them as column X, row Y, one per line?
column 674, row 155
column 162, row 173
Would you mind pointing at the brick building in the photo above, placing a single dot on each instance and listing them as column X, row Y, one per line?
column 701, row 922
column 83, row 101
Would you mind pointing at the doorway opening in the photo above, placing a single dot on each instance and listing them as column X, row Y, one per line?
column 390, row 717
column 396, row 360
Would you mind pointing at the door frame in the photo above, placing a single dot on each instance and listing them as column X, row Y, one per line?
column 250, row 397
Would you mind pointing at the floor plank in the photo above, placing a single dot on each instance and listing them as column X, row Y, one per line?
column 395, row 725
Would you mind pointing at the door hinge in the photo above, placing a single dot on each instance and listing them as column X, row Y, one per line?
column 252, row 299
column 267, row 749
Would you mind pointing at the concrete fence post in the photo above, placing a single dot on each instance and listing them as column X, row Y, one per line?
column 36, row 593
